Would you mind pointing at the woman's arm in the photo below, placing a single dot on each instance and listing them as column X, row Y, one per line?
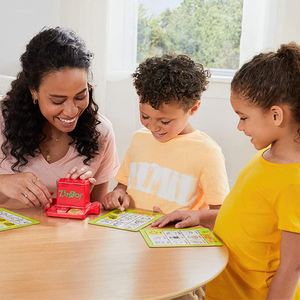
column 284, row 283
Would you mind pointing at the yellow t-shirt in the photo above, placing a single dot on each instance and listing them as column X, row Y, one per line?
column 187, row 172
column 264, row 201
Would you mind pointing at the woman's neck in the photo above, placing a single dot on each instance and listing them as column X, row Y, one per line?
column 51, row 132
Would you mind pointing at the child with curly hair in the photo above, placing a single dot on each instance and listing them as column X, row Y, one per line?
column 169, row 165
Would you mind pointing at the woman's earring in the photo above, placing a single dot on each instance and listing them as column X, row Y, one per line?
column 35, row 101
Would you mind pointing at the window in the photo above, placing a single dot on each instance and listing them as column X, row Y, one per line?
column 208, row 30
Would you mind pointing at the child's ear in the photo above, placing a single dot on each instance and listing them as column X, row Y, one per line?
column 277, row 114
column 195, row 107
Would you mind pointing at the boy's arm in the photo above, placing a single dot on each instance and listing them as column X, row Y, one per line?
column 188, row 218
column 213, row 179
column 99, row 191
column 118, row 198
column 158, row 210
column 214, row 206
column 284, row 283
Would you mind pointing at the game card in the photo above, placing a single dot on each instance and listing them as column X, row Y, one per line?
column 129, row 219
column 11, row 220
column 186, row 237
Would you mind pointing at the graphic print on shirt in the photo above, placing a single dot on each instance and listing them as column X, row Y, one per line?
column 163, row 182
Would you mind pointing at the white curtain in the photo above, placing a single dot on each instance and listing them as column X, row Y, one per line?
column 122, row 38
column 89, row 19
column 109, row 28
column 267, row 24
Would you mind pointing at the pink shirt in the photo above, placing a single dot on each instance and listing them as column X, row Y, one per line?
column 104, row 166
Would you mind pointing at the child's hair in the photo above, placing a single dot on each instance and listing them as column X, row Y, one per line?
column 160, row 80
column 271, row 78
column 51, row 50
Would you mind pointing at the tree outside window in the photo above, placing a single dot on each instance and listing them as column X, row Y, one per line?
column 208, row 30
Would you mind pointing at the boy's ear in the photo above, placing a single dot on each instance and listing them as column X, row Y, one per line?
column 277, row 114
column 195, row 107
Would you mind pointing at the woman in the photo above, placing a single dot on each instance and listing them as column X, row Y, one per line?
column 50, row 127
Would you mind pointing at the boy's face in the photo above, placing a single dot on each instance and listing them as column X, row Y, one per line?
column 167, row 122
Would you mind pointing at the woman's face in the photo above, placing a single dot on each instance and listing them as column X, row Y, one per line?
column 62, row 98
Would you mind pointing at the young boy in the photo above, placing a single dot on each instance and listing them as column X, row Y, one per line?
column 169, row 165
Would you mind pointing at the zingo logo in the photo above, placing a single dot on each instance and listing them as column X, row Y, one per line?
column 72, row 194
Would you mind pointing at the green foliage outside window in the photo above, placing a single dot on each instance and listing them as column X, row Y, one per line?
column 208, row 30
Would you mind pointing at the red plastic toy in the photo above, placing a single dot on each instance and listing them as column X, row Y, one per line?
column 73, row 200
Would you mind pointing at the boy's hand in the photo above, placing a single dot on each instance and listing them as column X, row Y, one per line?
column 186, row 218
column 116, row 199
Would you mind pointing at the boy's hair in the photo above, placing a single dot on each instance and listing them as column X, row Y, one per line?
column 160, row 80
column 271, row 78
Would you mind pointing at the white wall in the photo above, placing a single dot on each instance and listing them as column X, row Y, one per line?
column 267, row 24
column 21, row 20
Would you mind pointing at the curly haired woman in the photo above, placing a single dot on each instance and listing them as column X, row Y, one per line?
column 169, row 165
column 50, row 126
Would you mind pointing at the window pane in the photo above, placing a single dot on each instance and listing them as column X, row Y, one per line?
column 208, row 30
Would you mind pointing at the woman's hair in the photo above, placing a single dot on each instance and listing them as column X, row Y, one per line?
column 51, row 50
column 271, row 78
column 159, row 80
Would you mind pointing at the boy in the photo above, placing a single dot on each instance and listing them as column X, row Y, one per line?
column 169, row 165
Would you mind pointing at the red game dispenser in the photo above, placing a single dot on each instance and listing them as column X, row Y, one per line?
column 73, row 200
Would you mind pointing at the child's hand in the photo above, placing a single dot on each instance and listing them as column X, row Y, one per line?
column 186, row 218
column 157, row 210
column 82, row 173
column 116, row 199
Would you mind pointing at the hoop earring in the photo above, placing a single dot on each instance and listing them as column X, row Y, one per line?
column 35, row 101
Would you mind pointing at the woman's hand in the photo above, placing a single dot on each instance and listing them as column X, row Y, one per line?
column 82, row 173
column 26, row 188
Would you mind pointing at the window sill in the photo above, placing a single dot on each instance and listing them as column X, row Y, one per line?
column 221, row 75
column 220, row 79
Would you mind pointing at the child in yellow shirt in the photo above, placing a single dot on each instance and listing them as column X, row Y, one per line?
column 259, row 220
column 170, row 165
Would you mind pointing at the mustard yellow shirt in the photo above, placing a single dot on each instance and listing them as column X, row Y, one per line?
column 187, row 172
column 264, row 201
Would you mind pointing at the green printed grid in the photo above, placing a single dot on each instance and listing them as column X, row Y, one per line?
column 12, row 225
column 204, row 232
column 118, row 212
